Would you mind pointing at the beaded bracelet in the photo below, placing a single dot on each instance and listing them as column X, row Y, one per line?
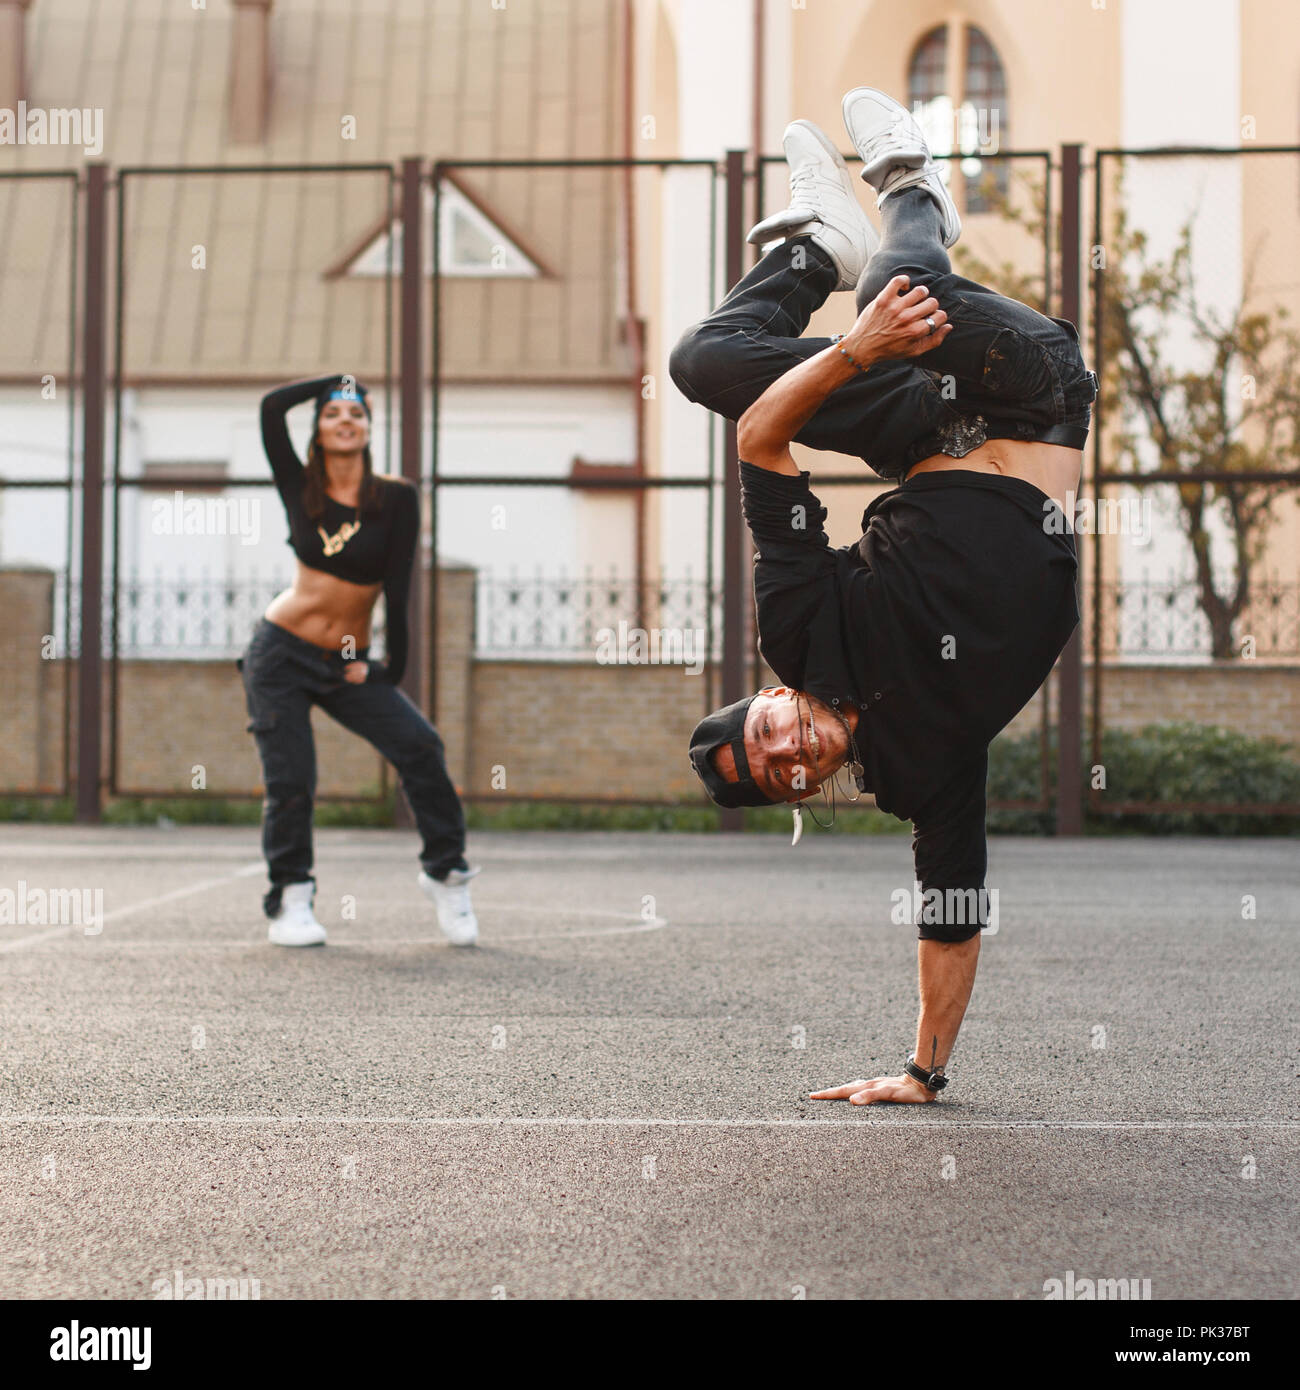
column 837, row 337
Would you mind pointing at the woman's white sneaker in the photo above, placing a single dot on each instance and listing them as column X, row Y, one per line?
column 451, row 898
column 295, row 924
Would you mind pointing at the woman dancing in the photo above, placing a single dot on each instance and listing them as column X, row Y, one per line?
column 354, row 535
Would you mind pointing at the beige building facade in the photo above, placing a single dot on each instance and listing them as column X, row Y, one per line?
column 1025, row 76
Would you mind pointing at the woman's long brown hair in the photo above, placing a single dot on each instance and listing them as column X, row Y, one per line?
column 314, row 483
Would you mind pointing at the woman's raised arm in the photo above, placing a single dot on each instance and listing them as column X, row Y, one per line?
column 285, row 464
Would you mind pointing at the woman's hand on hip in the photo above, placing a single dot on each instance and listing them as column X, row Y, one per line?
column 897, row 324
column 355, row 672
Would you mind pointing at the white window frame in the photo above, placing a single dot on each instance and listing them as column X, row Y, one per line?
column 371, row 261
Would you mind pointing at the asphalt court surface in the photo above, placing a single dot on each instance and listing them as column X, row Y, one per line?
column 608, row 1098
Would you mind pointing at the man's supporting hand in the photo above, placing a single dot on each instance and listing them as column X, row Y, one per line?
column 902, row 1090
column 946, row 970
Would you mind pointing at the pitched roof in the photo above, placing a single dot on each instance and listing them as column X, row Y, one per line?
column 455, row 79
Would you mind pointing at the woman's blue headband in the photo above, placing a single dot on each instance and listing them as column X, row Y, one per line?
column 355, row 392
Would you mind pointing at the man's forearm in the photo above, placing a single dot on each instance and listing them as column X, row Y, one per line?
column 947, row 976
column 765, row 430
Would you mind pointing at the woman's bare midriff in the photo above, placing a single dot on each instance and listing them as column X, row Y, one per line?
column 1051, row 468
column 323, row 609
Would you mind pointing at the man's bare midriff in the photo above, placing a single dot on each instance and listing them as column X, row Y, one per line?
column 323, row 609
column 1051, row 468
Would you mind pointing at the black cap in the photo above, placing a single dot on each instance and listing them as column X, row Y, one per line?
column 726, row 726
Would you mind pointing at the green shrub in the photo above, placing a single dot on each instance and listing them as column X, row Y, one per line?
column 557, row 815
column 45, row 809
column 1015, row 774
column 849, row 819
column 1161, row 762
column 198, row 809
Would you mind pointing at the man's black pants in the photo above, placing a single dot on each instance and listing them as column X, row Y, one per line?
column 1005, row 370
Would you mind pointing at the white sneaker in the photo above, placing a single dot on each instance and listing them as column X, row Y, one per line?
column 296, row 924
column 823, row 204
column 884, row 132
column 895, row 153
column 451, row 898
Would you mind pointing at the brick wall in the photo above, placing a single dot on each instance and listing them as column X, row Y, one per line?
column 567, row 728
column 31, row 707
column 1258, row 698
column 455, row 644
column 179, row 714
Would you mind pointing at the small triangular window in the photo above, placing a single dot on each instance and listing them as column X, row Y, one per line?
column 470, row 244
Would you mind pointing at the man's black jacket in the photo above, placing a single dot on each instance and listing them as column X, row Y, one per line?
column 939, row 624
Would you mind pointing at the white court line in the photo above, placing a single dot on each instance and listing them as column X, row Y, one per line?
column 614, row 1122
column 635, row 925
column 130, row 908
column 338, row 943
column 102, row 849
column 559, row 909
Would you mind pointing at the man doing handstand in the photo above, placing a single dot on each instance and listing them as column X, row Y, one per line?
column 903, row 655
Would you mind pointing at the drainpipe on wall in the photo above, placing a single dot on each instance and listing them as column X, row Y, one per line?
column 250, row 71
column 635, row 325
column 13, row 64
column 756, row 212
column 756, row 135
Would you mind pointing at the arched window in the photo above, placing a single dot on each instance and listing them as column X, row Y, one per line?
column 973, row 123
column 983, row 120
column 928, row 74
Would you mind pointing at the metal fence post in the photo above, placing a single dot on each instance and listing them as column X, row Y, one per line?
column 90, row 663
column 419, row 683
column 735, row 589
column 411, row 395
column 1069, row 671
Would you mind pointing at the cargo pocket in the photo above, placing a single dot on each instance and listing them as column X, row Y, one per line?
column 261, row 723
column 1015, row 369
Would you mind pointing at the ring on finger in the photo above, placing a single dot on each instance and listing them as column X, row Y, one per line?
column 932, row 323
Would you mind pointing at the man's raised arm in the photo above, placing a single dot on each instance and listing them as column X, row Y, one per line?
column 892, row 326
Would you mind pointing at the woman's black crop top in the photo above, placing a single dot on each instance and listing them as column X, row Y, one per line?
column 344, row 542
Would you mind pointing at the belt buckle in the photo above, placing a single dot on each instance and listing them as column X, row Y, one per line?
column 963, row 436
